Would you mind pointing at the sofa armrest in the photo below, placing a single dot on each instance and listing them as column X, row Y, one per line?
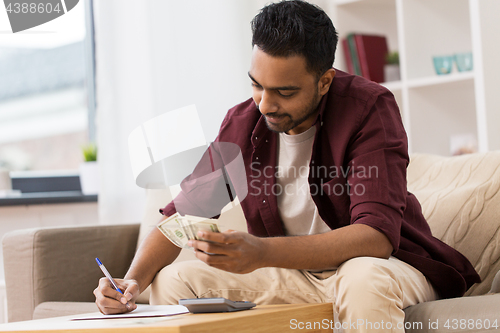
column 57, row 264
column 478, row 308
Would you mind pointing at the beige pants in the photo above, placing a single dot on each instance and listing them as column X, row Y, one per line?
column 368, row 294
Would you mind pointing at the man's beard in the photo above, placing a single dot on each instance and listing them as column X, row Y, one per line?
column 292, row 123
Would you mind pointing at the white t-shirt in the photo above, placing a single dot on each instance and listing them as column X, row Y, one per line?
column 296, row 208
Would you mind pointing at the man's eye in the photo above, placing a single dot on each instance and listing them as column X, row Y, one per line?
column 256, row 86
column 286, row 93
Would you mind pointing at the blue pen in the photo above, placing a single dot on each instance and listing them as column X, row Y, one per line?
column 105, row 271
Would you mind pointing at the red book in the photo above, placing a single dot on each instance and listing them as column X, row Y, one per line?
column 372, row 50
column 347, row 56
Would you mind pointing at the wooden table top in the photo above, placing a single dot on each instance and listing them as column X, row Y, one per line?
column 263, row 318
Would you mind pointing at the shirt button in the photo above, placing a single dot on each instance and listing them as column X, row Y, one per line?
column 267, row 141
column 263, row 201
column 257, row 157
column 256, row 138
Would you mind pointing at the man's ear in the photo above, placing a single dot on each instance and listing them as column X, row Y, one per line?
column 325, row 81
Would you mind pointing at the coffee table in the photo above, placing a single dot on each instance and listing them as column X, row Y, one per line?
column 263, row 318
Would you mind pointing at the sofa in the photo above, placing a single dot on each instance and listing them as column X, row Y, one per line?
column 52, row 271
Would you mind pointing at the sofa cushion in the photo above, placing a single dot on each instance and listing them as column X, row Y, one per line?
column 460, row 198
column 57, row 309
column 463, row 314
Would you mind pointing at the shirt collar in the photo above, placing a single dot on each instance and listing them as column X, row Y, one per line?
column 322, row 107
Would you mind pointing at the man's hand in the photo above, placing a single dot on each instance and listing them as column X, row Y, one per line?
column 239, row 252
column 110, row 301
column 232, row 251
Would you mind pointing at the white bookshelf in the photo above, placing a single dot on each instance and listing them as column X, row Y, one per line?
column 435, row 107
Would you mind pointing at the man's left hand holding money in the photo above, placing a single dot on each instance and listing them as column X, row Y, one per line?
column 232, row 251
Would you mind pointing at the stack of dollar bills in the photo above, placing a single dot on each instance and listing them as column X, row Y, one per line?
column 180, row 229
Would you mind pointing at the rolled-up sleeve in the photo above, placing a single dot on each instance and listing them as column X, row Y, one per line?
column 377, row 160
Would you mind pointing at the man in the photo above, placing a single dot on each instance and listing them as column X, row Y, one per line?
column 355, row 237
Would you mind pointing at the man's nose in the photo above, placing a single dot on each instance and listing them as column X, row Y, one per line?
column 267, row 104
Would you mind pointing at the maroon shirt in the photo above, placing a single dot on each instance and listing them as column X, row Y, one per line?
column 357, row 175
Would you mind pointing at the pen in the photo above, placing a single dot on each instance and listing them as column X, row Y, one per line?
column 105, row 271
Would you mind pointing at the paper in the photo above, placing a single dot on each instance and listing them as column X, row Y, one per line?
column 142, row 311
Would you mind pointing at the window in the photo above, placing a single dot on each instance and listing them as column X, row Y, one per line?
column 47, row 92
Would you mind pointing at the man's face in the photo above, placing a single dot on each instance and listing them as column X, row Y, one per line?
column 284, row 92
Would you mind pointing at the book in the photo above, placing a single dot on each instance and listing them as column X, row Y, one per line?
column 354, row 53
column 347, row 56
column 371, row 53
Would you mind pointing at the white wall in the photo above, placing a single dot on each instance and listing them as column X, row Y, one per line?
column 201, row 56
column 156, row 56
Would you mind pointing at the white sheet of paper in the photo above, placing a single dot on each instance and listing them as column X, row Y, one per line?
column 142, row 311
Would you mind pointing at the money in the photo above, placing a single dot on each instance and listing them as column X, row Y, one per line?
column 181, row 229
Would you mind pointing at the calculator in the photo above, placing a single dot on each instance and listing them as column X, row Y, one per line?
column 218, row 304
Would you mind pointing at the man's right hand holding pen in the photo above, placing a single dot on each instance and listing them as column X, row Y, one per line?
column 154, row 253
column 110, row 301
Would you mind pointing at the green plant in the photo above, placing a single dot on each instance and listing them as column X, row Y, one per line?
column 392, row 58
column 89, row 152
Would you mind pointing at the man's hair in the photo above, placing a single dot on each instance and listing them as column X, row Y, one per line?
column 295, row 27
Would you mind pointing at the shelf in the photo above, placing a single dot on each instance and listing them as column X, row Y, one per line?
column 345, row 2
column 374, row 17
column 429, row 81
column 440, row 79
column 393, row 85
column 439, row 113
column 47, row 198
column 435, row 108
column 446, row 31
column 365, row 2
